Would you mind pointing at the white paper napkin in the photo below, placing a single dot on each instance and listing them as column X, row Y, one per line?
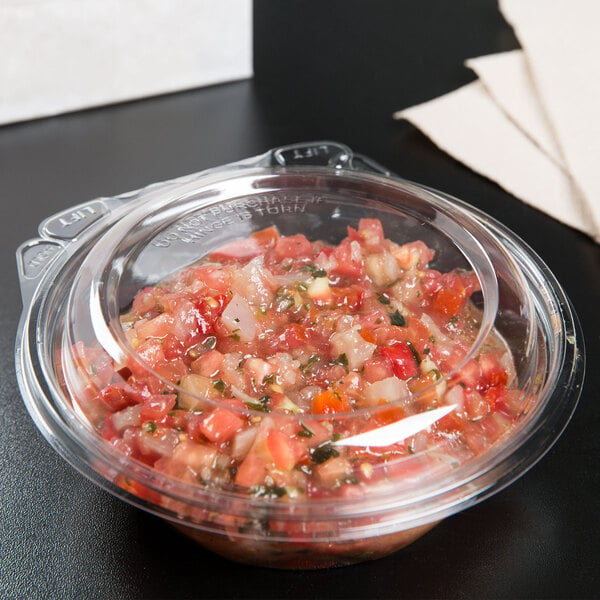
column 562, row 45
column 468, row 124
column 530, row 123
column 61, row 55
column 507, row 79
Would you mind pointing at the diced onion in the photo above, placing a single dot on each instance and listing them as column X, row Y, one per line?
column 239, row 318
column 389, row 389
column 356, row 349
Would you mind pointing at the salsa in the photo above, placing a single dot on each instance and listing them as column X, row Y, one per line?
column 255, row 362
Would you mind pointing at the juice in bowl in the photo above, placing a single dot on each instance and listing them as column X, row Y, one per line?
column 298, row 360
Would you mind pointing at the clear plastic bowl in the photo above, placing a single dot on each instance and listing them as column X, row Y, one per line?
column 87, row 265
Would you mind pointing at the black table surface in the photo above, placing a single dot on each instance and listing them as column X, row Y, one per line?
column 324, row 70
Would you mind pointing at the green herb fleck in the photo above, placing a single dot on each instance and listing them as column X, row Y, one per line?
column 258, row 406
column 235, row 336
column 284, row 298
column 268, row 491
column 149, row 426
column 267, row 379
column 219, row 385
column 210, row 342
column 312, row 359
column 314, row 270
column 426, row 350
column 415, row 353
column 436, row 374
column 342, row 360
column 305, row 432
column 397, row 319
column 383, row 299
column 301, row 286
column 264, row 400
column 453, row 320
column 322, row 453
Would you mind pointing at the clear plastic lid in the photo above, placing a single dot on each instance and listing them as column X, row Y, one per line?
column 502, row 365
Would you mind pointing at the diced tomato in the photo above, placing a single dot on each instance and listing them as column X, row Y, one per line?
column 413, row 254
column 494, row 395
column 158, row 327
column 293, row 246
column 388, row 414
column 221, row 424
column 172, row 347
column 493, row 372
column 451, row 422
column 377, row 368
column 144, row 301
column 246, row 248
column 151, row 352
column 292, row 336
column 137, row 489
column 330, row 402
column 217, row 279
column 403, row 360
column 351, row 297
column 156, row 407
column 333, row 470
column 367, row 335
column 282, row 450
column 371, row 232
column 449, row 300
column 267, row 238
column 115, row 398
column 208, row 364
column 469, row 375
column 252, row 471
column 414, row 331
column 425, row 389
column 349, row 261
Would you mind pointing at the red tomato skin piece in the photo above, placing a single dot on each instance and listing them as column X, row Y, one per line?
column 115, row 398
column 157, row 407
column 293, row 246
column 221, row 425
column 403, row 361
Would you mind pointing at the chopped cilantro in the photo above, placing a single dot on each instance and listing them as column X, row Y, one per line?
column 436, row 374
column 305, row 432
column 219, row 385
column 383, row 299
column 314, row 270
column 269, row 379
column 149, row 426
column 414, row 351
column 264, row 400
column 284, row 298
column 322, row 453
column 312, row 359
column 258, row 406
column 210, row 342
column 268, row 491
column 397, row 319
column 235, row 336
column 342, row 360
